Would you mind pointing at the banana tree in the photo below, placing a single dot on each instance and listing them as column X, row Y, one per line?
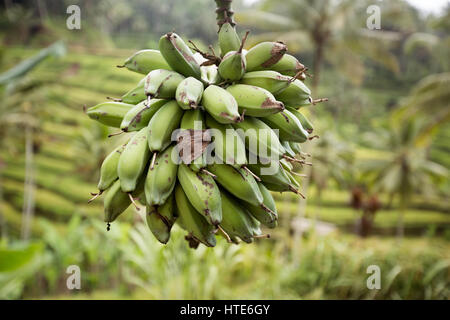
column 334, row 30
column 17, row 95
column 406, row 168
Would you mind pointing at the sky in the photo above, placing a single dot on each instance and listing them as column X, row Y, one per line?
column 427, row 6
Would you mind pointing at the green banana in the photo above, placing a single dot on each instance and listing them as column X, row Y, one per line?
column 133, row 161
column 233, row 64
column 160, row 219
column 108, row 170
column 289, row 127
column 254, row 101
column 145, row 61
column 264, row 55
column 296, row 147
column 162, row 84
column 272, row 81
column 139, row 116
column 116, row 201
column 288, row 65
column 192, row 221
column 135, row 95
column 229, row 148
column 236, row 222
column 303, row 120
column 267, row 218
column 161, row 179
column 287, row 146
column 189, row 93
column 295, row 95
column 259, row 138
column 221, row 105
column 161, row 126
column 202, row 192
column 178, row 55
column 238, row 182
column 293, row 180
column 109, row 113
column 276, row 181
column 286, row 165
column 228, row 39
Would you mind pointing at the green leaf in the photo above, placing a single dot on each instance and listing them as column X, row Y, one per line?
column 12, row 259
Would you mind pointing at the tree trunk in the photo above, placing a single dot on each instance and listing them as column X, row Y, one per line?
column 28, row 195
column 317, row 65
column 3, row 227
column 400, row 222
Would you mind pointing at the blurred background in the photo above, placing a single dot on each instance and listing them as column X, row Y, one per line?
column 378, row 193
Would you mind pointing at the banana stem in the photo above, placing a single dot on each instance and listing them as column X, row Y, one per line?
column 251, row 173
column 224, row 13
column 225, row 234
column 266, row 208
column 243, row 41
column 262, row 236
column 134, row 202
column 95, row 196
column 114, row 99
column 203, row 170
column 115, row 134
column 294, row 190
column 316, row 101
column 152, row 164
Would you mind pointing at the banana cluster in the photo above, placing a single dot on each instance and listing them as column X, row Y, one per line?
column 252, row 96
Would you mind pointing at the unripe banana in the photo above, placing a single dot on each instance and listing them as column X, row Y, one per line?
column 162, row 84
column 161, row 179
column 162, row 124
column 109, row 113
column 295, row 95
column 272, row 81
column 228, row 39
column 266, row 217
column 307, row 125
column 133, row 160
column 232, row 67
column 189, row 93
column 287, row 146
column 293, row 180
column 286, row 165
column 202, row 192
column 264, row 55
column 259, row 138
column 139, row 116
column 233, row 64
column 178, row 55
column 116, row 201
column 296, row 147
column 135, row 95
column 257, row 102
column 288, row 65
column 236, row 221
column 229, row 148
column 238, row 182
column 192, row 221
column 210, row 75
column 108, row 170
column 145, row 61
column 277, row 181
column 160, row 219
column 221, row 105
column 290, row 128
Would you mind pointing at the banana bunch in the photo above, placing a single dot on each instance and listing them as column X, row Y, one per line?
column 210, row 138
